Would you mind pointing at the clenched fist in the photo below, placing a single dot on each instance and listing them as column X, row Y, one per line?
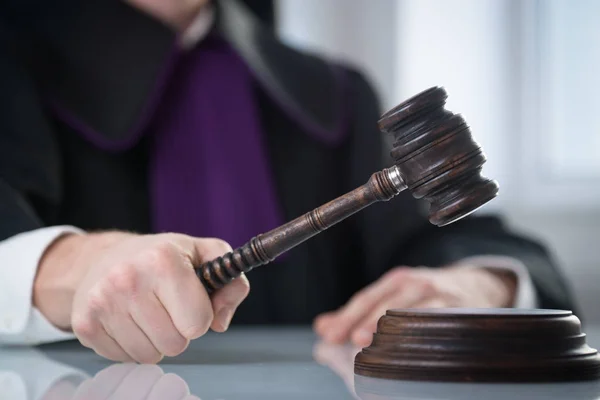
column 134, row 297
column 402, row 287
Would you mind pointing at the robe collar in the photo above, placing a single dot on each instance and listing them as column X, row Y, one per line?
column 106, row 65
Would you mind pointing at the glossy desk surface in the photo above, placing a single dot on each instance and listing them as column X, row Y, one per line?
column 241, row 364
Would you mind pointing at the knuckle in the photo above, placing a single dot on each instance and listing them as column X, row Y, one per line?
column 399, row 275
column 428, row 287
column 163, row 257
column 97, row 302
column 85, row 329
column 162, row 254
column 124, row 279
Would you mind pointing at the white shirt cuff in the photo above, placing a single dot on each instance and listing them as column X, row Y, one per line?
column 20, row 322
column 525, row 294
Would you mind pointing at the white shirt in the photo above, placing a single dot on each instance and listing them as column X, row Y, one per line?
column 22, row 323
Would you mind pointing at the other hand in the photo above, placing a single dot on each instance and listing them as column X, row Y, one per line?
column 405, row 287
column 134, row 297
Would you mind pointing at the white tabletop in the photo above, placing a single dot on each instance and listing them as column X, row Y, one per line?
column 261, row 363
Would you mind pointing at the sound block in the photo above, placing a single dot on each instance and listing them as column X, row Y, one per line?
column 479, row 345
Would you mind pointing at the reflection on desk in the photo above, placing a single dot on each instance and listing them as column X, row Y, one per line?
column 379, row 389
column 241, row 364
column 27, row 374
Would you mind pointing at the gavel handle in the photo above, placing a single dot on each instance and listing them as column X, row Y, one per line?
column 264, row 248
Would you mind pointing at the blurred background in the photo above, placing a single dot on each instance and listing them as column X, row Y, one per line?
column 524, row 73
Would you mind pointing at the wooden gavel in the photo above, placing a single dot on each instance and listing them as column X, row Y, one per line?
column 435, row 157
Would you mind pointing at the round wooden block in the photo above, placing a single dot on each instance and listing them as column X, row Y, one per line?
column 479, row 345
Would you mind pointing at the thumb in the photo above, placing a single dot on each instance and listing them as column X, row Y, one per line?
column 207, row 249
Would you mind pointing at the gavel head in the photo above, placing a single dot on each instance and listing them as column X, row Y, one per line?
column 437, row 157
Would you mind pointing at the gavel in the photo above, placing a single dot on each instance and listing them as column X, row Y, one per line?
column 435, row 158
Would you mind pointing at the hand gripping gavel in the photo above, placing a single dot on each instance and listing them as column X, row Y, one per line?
column 435, row 158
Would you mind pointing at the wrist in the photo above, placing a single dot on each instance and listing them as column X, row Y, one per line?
column 498, row 286
column 61, row 269
column 54, row 283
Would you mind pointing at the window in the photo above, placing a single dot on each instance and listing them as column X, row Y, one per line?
column 560, row 113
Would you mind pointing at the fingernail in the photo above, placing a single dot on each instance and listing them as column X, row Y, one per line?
column 225, row 315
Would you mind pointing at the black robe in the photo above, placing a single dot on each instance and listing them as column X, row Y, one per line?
column 100, row 59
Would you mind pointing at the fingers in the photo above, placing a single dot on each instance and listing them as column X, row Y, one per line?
column 180, row 292
column 357, row 320
column 336, row 328
column 142, row 299
column 133, row 382
column 132, row 339
column 362, row 334
column 322, row 322
column 91, row 333
column 61, row 390
column 103, row 384
column 207, row 249
column 137, row 384
column 226, row 300
column 153, row 319
column 413, row 298
column 169, row 386
column 412, row 291
column 339, row 359
column 199, row 312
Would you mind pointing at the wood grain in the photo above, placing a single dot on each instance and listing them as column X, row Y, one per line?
column 479, row 345
column 437, row 156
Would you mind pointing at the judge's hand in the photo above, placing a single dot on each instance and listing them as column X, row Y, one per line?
column 134, row 297
column 455, row 286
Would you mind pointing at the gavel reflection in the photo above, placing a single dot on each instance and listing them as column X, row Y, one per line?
column 435, row 158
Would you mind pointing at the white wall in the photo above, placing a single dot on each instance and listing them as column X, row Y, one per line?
column 524, row 75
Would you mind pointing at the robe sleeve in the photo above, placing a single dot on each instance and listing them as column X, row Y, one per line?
column 30, row 191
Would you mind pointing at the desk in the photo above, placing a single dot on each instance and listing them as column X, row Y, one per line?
column 248, row 363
